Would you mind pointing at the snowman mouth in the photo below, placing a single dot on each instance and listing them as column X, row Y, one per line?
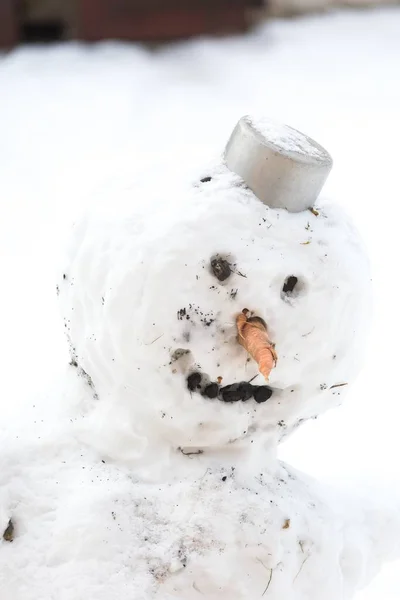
column 243, row 391
column 252, row 335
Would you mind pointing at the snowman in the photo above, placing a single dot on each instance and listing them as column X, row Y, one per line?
column 210, row 318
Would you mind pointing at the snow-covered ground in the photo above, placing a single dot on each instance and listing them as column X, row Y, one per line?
column 297, row 7
column 70, row 115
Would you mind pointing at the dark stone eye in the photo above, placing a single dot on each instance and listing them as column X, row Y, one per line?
column 194, row 381
column 262, row 394
column 290, row 284
column 220, row 268
column 237, row 391
column 206, row 179
column 211, row 390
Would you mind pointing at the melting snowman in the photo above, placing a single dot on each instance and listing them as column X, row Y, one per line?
column 211, row 319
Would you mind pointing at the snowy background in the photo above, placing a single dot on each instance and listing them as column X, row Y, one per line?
column 70, row 114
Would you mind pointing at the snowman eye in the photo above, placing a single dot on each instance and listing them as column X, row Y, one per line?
column 290, row 284
column 220, row 268
column 292, row 287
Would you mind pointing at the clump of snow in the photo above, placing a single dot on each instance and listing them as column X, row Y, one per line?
column 138, row 287
column 287, row 139
column 297, row 7
column 214, row 512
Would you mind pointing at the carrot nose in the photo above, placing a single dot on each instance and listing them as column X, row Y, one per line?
column 253, row 336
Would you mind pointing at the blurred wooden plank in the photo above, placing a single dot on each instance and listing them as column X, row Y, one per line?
column 126, row 6
column 122, row 19
column 142, row 20
column 8, row 23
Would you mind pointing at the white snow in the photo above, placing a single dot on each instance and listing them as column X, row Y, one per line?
column 297, row 7
column 71, row 116
column 138, row 286
column 288, row 139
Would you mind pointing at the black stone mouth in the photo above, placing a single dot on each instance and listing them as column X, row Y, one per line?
column 235, row 392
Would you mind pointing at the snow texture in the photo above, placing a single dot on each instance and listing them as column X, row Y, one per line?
column 101, row 508
column 143, row 310
column 138, row 287
column 296, row 7
column 287, row 139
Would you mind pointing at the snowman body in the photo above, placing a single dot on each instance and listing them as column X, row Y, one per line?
column 224, row 534
column 216, row 514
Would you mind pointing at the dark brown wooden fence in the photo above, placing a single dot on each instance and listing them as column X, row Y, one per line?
column 143, row 20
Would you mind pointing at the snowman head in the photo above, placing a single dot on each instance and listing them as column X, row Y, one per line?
column 156, row 277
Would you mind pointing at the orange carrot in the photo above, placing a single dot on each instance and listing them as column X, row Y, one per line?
column 253, row 336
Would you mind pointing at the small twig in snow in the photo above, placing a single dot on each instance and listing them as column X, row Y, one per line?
column 338, row 385
column 196, row 588
column 206, row 473
column 239, row 273
column 268, row 584
column 270, row 577
column 157, row 338
column 190, row 453
column 301, row 566
column 309, row 333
